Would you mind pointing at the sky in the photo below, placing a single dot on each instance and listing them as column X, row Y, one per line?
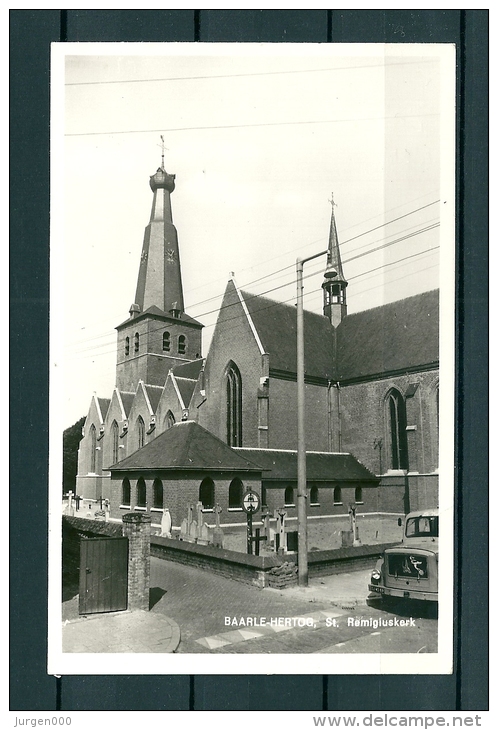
column 259, row 137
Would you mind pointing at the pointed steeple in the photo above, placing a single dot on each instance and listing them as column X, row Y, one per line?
column 158, row 334
column 334, row 289
column 159, row 277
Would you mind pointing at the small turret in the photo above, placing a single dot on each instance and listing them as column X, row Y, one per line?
column 334, row 288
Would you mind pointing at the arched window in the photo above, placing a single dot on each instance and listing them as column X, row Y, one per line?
column 127, row 346
column 93, row 449
column 358, row 495
column 137, row 342
column 314, row 495
column 289, row 497
column 141, row 493
column 115, row 442
column 206, row 493
column 169, row 420
column 337, row 495
column 166, row 341
column 126, row 493
column 182, row 345
column 157, row 494
column 397, row 430
column 235, row 493
column 234, row 405
column 140, row 431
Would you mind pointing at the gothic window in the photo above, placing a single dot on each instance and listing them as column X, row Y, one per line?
column 234, row 405
column 140, row 431
column 314, row 495
column 115, row 442
column 206, row 493
column 337, row 495
column 93, row 449
column 396, row 412
column 166, row 341
column 169, row 420
column 141, row 493
column 182, row 345
column 126, row 493
column 289, row 497
column 137, row 342
column 157, row 494
column 235, row 494
column 358, row 495
column 127, row 346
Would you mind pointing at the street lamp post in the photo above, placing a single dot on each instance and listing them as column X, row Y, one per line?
column 302, row 527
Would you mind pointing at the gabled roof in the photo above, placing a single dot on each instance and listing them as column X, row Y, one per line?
column 127, row 401
column 157, row 313
column 104, row 404
column 186, row 445
column 281, row 465
column 189, row 369
column 186, row 386
column 396, row 336
column 276, row 324
column 154, row 394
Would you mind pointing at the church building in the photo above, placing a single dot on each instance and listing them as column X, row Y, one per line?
column 181, row 427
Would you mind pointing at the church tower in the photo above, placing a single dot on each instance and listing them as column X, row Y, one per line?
column 158, row 334
column 334, row 290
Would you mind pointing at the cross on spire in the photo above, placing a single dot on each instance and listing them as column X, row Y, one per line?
column 162, row 151
column 332, row 201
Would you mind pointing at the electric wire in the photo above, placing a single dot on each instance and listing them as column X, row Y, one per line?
column 261, row 296
column 349, row 120
column 290, row 266
column 243, row 75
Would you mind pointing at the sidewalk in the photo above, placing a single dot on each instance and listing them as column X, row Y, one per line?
column 121, row 632
column 195, row 603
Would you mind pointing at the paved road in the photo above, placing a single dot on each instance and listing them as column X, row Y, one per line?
column 217, row 615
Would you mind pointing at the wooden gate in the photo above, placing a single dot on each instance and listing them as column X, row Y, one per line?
column 103, row 574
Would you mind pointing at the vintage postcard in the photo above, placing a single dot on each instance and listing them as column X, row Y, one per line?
column 252, row 358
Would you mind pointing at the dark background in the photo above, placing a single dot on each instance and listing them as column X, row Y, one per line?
column 31, row 32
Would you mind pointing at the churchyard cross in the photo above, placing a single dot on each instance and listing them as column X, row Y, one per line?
column 257, row 539
column 217, row 512
column 281, row 514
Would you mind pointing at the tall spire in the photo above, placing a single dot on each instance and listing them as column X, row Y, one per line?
column 158, row 334
column 334, row 290
column 159, row 277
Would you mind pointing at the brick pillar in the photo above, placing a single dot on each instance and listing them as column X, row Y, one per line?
column 136, row 527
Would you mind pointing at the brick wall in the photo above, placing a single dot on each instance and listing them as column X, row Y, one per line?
column 136, row 527
column 283, row 415
column 179, row 490
column 255, row 569
column 275, row 493
column 233, row 340
column 364, row 421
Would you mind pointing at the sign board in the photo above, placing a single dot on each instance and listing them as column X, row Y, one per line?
column 251, row 502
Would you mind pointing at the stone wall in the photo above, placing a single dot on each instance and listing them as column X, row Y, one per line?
column 257, row 570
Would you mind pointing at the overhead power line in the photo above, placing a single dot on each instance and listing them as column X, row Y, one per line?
column 269, row 291
column 290, row 266
column 243, row 126
column 243, row 75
